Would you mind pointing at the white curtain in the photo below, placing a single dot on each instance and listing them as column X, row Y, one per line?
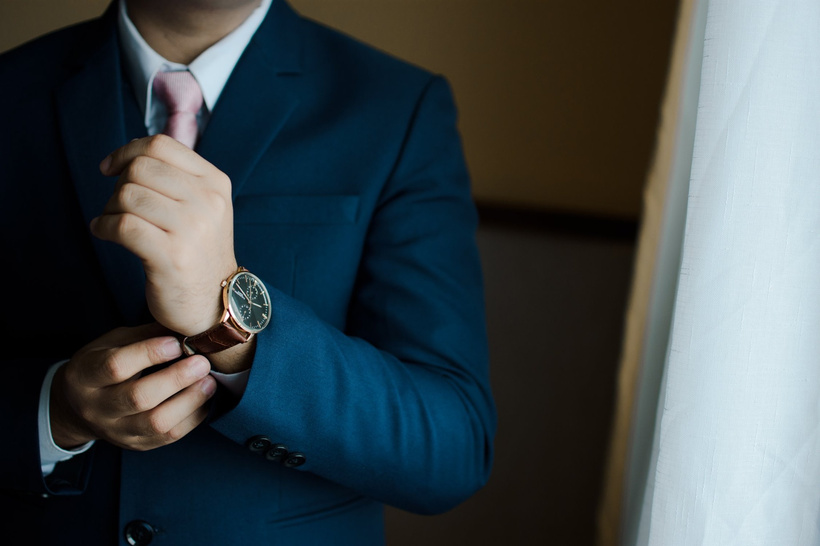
column 716, row 438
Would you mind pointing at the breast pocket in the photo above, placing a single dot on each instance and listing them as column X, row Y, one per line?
column 288, row 236
column 296, row 209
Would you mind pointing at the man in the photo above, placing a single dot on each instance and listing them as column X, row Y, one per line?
column 350, row 369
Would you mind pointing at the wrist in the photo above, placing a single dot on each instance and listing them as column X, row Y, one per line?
column 213, row 312
column 67, row 429
column 234, row 360
column 246, row 311
column 207, row 319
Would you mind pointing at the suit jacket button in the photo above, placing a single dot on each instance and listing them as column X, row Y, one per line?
column 277, row 453
column 139, row 533
column 295, row 459
column 258, row 444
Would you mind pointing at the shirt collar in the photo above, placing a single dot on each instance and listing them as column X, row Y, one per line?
column 211, row 69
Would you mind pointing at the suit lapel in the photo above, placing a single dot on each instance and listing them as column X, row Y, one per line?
column 260, row 95
column 90, row 109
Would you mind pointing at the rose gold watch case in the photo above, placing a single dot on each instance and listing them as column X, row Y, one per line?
column 229, row 309
column 228, row 319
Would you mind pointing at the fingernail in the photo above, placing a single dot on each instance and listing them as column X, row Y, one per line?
column 170, row 348
column 208, row 386
column 93, row 223
column 105, row 164
column 199, row 367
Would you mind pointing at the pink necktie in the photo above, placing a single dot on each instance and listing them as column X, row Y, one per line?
column 181, row 94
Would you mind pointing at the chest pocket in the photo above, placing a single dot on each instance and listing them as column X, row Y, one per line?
column 296, row 209
column 272, row 233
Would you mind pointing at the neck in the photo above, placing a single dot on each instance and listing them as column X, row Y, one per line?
column 180, row 30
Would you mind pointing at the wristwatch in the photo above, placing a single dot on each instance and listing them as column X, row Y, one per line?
column 247, row 311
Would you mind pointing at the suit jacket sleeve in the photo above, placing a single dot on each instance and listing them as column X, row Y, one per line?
column 397, row 406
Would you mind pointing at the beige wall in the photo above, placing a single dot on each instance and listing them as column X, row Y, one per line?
column 558, row 98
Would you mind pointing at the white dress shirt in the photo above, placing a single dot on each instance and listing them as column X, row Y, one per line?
column 211, row 69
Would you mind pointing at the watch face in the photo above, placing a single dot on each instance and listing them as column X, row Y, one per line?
column 249, row 302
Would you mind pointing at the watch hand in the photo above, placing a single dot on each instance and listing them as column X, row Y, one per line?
column 254, row 303
column 242, row 292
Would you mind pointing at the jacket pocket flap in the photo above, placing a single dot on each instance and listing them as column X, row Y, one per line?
column 296, row 209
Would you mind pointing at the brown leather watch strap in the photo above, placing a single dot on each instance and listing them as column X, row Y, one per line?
column 220, row 337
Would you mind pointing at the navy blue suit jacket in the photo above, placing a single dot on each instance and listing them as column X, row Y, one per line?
column 352, row 203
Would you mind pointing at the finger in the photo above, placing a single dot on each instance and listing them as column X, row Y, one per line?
column 126, row 335
column 136, row 234
column 189, row 423
column 144, row 443
column 148, row 392
column 153, row 207
column 172, row 419
column 113, row 366
column 156, row 175
column 161, row 147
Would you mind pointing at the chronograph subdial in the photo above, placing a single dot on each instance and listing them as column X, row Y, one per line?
column 245, row 311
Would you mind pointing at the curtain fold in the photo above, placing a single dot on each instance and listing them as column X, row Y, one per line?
column 649, row 312
column 738, row 458
column 734, row 456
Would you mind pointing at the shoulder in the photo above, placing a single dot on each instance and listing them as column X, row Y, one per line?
column 51, row 57
column 331, row 57
column 328, row 45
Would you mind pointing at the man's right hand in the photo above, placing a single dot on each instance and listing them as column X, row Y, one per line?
column 100, row 393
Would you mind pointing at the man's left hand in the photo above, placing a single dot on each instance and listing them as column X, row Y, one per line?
column 173, row 210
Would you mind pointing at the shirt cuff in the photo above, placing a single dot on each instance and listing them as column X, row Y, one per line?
column 236, row 383
column 51, row 453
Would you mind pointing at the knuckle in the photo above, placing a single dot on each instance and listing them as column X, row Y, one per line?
column 217, row 203
column 126, row 224
column 156, row 145
column 128, row 194
column 174, row 434
column 181, row 377
column 153, row 353
column 224, row 182
column 113, row 366
column 157, row 424
column 136, row 169
column 138, row 197
column 136, row 400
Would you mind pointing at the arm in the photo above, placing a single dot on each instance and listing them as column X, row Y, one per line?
column 103, row 393
column 50, row 452
column 398, row 406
